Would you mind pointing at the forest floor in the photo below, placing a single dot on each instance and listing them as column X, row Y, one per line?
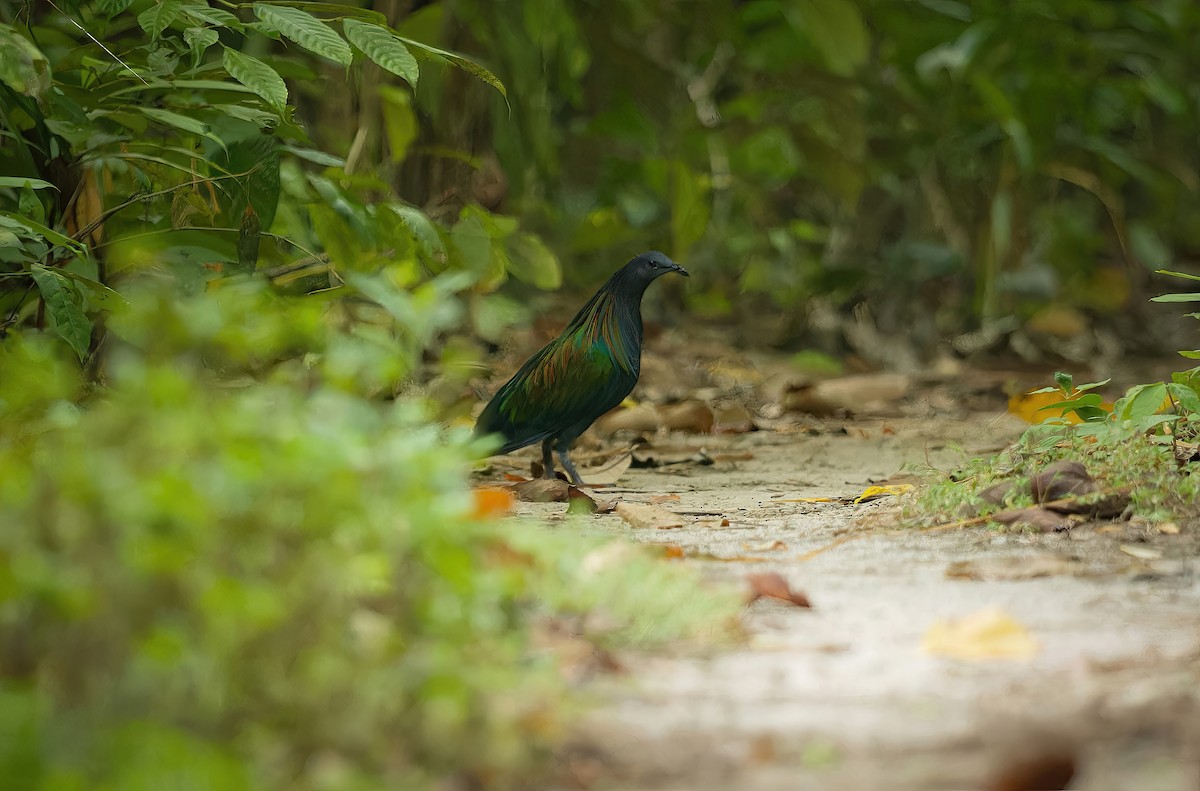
column 848, row 694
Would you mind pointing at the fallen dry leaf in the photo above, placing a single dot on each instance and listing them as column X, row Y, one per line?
column 765, row 546
column 609, row 473
column 672, row 551
column 692, row 416
column 659, row 499
column 541, row 490
column 1038, row 518
column 773, row 586
column 1049, row 772
column 876, row 492
column 644, row 516
column 1060, row 479
column 556, row 490
column 1141, row 552
column 1169, row 528
column 636, row 418
column 1012, row 568
column 732, row 419
column 491, row 502
column 987, row 634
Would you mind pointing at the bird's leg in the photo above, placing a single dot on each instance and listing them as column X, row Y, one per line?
column 548, row 459
column 565, row 460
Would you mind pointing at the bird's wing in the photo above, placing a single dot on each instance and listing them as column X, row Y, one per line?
column 567, row 382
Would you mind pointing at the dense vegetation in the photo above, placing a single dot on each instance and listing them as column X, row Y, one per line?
column 242, row 243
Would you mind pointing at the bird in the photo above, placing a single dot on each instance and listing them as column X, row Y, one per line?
column 583, row 373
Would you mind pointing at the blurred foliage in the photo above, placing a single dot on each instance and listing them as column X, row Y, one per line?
column 241, row 552
column 219, row 584
column 158, row 136
column 948, row 161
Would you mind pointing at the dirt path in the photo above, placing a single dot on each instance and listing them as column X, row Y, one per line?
column 842, row 697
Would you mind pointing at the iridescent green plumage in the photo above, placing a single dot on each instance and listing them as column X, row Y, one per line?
column 581, row 374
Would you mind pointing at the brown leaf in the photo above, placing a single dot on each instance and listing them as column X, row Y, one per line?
column 693, row 416
column 659, row 499
column 542, row 490
column 1012, row 567
column 672, row 551
column 772, row 585
column 556, row 490
column 997, row 493
column 1039, row 518
column 765, row 546
column 1059, row 480
column 637, row 418
column 608, row 473
column 732, row 419
column 1048, row 772
column 644, row 516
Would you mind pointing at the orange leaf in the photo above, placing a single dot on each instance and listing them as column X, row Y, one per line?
column 491, row 502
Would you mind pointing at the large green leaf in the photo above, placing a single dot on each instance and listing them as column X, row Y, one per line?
column 183, row 122
column 257, row 76
column 155, row 19
column 51, row 235
column 198, row 40
column 399, row 121
column 384, row 47
column 531, row 261
column 23, row 67
column 835, row 29
column 306, row 30
column 201, row 12
column 1192, row 297
column 461, row 61
column 101, row 295
column 113, row 7
column 65, row 306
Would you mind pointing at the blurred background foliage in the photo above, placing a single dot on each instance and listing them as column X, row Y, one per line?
column 244, row 246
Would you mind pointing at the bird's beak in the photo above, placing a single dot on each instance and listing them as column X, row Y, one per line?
column 680, row 270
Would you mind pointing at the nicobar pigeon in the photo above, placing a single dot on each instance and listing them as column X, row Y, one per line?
column 581, row 374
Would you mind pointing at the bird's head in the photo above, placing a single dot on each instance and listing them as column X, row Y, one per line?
column 652, row 265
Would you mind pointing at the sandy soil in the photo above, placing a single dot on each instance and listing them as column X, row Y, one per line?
column 841, row 696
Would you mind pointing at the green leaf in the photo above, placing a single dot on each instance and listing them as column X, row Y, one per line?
column 835, row 29
column 1142, row 401
column 50, row 234
column 1186, row 275
column 155, row 19
column 400, row 122
column 429, row 242
column 199, row 39
column 1064, row 380
column 530, row 261
column 383, row 47
column 65, row 307
column 101, row 295
column 315, row 156
column 1192, row 355
column 113, row 7
column 23, row 67
column 340, row 10
column 1192, row 297
column 307, row 31
column 202, row 13
column 183, row 122
column 1185, row 397
column 257, row 76
column 461, row 61
column 29, row 205
column 21, row 181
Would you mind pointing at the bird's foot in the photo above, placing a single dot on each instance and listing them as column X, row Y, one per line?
column 565, row 460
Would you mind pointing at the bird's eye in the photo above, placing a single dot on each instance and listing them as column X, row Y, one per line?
column 654, row 264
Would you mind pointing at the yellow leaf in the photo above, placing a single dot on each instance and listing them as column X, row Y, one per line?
column 875, row 492
column 987, row 634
